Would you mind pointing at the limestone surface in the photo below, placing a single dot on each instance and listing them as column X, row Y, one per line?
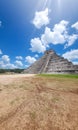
column 50, row 62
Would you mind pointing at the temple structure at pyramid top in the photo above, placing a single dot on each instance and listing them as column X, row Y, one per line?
column 50, row 62
column 49, row 51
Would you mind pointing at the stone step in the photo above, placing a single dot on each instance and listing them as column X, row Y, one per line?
column 51, row 62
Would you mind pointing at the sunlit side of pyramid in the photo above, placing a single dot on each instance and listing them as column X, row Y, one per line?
column 52, row 63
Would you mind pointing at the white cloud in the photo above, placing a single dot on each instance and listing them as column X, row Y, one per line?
column 75, row 25
column 36, row 56
column 0, row 23
column 10, row 66
column 52, row 37
column 61, row 27
column 19, row 57
column 6, row 65
column 41, row 18
column 18, row 63
column 71, row 55
column 71, row 40
column 5, row 58
column 57, row 35
column 37, row 46
column 1, row 63
column 1, row 52
column 30, row 59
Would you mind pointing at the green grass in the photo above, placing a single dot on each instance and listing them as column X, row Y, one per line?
column 59, row 75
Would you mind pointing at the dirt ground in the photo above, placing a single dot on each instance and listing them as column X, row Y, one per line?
column 30, row 102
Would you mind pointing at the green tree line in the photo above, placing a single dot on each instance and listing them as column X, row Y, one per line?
column 11, row 70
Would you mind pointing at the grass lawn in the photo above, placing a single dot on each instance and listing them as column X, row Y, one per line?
column 59, row 75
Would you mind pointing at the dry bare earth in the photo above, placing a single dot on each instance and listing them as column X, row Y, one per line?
column 28, row 102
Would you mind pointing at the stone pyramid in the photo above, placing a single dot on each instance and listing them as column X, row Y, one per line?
column 50, row 62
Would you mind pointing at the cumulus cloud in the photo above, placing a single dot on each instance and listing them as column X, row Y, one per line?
column 6, row 65
column 71, row 55
column 1, row 63
column 19, row 57
column 36, row 56
column 54, row 37
column 71, row 40
column 30, row 59
column 41, row 18
column 5, row 58
column 58, row 35
column 10, row 66
column 61, row 27
column 1, row 52
column 18, row 63
column 37, row 46
column 75, row 25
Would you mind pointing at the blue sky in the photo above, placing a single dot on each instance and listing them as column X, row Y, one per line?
column 29, row 27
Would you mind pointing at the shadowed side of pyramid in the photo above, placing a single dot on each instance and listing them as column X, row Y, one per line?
column 50, row 62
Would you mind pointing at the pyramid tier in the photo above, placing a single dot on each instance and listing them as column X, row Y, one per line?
column 50, row 62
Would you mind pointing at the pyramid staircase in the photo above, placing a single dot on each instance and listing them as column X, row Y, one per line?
column 52, row 63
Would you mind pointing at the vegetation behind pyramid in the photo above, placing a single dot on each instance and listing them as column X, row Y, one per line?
column 50, row 62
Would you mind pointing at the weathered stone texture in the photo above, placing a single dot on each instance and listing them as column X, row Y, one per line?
column 52, row 63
